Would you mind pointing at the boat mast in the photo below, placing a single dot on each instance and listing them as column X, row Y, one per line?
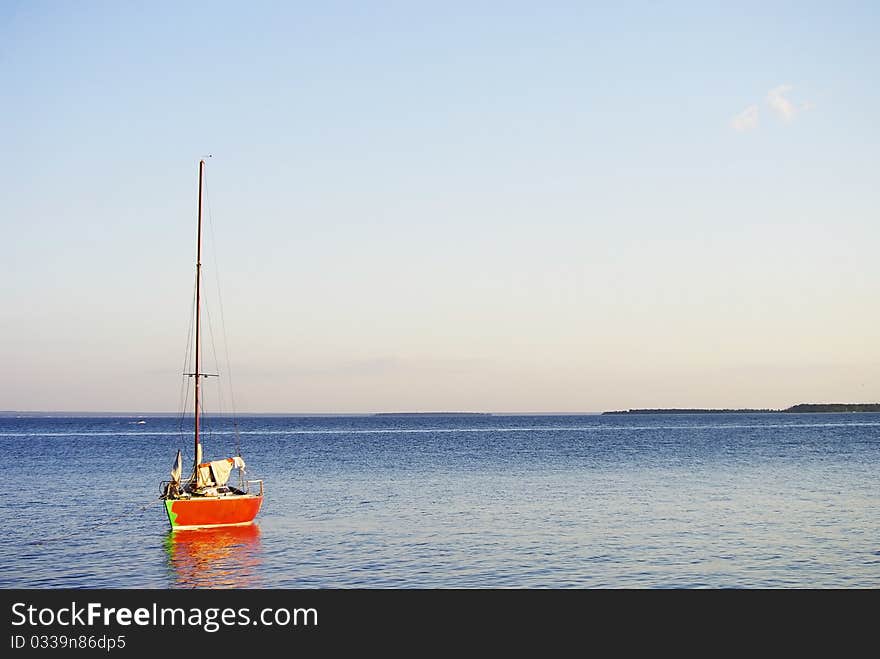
column 198, row 318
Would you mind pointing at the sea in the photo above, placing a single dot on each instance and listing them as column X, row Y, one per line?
column 646, row 501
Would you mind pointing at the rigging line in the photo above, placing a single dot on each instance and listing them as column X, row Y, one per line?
column 203, row 430
column 187, row 354
column 183, row 407
column 205, row 423
column 219, row 391
column 214, row 353
column 222, row 321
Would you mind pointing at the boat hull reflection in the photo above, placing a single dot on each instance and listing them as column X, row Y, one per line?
column 223, row 557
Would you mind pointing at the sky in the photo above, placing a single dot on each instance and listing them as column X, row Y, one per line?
column 556, row 207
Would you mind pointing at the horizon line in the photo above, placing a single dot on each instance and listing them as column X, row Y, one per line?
column 230, row 414
column 128, row 413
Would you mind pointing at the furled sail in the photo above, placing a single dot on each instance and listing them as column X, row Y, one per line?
column 176, row 470
column 201, row 481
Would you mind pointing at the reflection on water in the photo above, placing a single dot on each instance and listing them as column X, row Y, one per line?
column 226, row 557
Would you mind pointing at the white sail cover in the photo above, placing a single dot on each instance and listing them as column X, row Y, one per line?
column 217, row 472
column 221, row 470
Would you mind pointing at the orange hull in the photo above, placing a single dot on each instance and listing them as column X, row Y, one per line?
column 200, row 512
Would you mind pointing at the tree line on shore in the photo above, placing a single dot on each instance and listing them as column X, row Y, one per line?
column 801, row 408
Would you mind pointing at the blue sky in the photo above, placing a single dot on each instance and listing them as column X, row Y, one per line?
column 554, row 207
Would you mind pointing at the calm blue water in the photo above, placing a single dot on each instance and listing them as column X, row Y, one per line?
column 648, row 501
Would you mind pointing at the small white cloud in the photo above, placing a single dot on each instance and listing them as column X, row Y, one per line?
column 746, row 120
column 777, row 100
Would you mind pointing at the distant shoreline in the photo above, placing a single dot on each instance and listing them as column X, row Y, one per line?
column 803, row 408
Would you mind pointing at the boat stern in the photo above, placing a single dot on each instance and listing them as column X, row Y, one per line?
column 204, row 512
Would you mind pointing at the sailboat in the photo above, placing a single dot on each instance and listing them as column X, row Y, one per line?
column 206, row 499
